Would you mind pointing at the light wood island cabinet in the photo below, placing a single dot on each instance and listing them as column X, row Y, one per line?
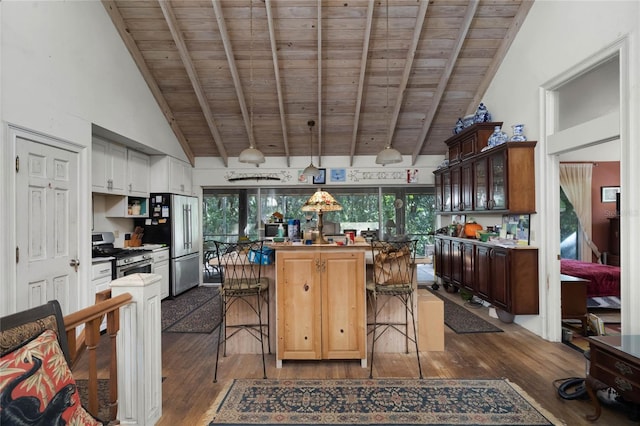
column 320, row 302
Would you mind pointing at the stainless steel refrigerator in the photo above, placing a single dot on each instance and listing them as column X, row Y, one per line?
column 175, row 220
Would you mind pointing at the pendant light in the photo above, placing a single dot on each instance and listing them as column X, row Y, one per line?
column 388, row 155
column 311, row 170
column 251, row 155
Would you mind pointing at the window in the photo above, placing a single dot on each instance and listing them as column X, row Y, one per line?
column 569, row 227
column 231, row 213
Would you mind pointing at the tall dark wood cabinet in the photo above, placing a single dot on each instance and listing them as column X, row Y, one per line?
column 479, row 180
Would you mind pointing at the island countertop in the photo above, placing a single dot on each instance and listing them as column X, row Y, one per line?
column 310, row 247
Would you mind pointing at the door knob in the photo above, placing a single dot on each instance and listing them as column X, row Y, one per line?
column 75, row 263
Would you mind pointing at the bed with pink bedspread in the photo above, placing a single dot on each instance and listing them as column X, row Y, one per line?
column 604, row 280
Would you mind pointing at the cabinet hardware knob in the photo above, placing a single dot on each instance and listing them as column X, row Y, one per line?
column 623, row 368
column 306, row 287
column 623, row 384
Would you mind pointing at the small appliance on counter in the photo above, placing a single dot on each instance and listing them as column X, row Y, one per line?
column 271, row 229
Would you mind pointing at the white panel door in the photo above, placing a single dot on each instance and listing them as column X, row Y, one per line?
column 47, row 225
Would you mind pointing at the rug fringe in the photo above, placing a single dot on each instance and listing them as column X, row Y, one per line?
column 553, row 419
column 213, row 409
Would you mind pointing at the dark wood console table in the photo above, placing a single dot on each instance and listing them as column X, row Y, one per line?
column 615, row 362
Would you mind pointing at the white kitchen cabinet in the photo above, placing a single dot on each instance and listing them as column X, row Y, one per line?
column 137, row 173
column 161, row 267
column 171, row 175
column 101, row 275
column 108, row 167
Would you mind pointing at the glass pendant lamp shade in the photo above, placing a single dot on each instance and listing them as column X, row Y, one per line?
column 388, row 156
column 251, row 155
column 321, row 201
column 311, row 171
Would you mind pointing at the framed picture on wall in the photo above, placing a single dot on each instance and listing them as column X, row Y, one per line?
column 321, row 179
column 608, row 194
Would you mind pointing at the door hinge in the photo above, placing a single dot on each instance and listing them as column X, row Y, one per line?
column 17, row 163
column 17, row 254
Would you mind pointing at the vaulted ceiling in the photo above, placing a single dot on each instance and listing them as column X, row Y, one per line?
column 229, row 74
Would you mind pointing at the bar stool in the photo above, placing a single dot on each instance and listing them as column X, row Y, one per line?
column 242, row 282
column 393, row 266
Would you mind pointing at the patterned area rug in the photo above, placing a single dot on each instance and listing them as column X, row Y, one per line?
column 195, row 311
column 462, row 321
column 375, row 402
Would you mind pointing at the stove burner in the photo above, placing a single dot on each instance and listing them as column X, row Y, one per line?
column 103, row 251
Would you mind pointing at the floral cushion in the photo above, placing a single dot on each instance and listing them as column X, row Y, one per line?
column 36, row 386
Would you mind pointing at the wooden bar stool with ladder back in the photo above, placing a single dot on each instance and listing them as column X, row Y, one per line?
column 240, row 265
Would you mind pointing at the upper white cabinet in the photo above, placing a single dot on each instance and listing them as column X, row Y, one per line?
column 117, row 170
column 171, row 175
column 108, row 167
column 137, row 173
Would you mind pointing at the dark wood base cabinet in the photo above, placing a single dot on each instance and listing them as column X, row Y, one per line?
column 505, row 277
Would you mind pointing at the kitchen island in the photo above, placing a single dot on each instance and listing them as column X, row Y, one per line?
column 321, row 302
column 318, row 306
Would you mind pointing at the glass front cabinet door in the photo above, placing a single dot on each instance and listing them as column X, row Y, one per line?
column 497, row 181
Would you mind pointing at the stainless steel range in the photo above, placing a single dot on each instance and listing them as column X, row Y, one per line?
column 126, row 261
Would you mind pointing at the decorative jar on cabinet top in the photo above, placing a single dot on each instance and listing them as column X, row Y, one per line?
column 518, row 133
column 497, row 137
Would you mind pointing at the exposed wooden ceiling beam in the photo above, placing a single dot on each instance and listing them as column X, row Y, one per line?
column 444, row 79
column 170, row 18
column 233, row 68
column 276, row 71
column 363, row 70
column 508, row 38
column 129, row 42
column 411, row 53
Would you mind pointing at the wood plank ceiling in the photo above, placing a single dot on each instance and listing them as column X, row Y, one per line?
column 233, row 73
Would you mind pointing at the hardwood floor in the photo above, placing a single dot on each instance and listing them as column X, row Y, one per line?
column 516, row 354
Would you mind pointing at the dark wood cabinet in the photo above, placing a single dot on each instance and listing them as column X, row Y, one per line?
column 500, row 279
column 470, row 141
column 466, row 186
column 455, row 188
column 500, row 179
column 505, row 277
column 456, row 262
column 468, row 280
column 482, row 274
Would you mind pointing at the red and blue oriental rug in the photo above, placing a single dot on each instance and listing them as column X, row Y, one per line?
column 375, row 402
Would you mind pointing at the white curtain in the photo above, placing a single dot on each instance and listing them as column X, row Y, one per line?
column 575, row 181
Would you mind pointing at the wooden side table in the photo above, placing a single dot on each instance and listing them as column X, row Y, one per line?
column 614, row 362
column 574, row 299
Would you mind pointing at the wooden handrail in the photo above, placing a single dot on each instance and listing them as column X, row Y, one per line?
column 91, row 317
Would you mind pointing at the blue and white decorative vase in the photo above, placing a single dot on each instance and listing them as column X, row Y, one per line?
column 459, row 126
column 498, row 137
column 518, row 133
column 482, row 114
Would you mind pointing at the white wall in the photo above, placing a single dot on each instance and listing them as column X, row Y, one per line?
column 557, row 37
column 65, row 67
